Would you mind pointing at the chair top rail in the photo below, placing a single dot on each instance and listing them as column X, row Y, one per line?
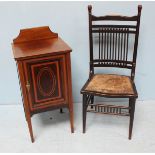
column 114, row 18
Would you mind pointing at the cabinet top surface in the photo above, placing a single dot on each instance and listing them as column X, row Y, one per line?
column 38, row 42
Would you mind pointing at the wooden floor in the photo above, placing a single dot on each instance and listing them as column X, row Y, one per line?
column 52, row 131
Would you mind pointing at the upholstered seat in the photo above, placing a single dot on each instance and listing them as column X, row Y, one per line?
column 110, row 84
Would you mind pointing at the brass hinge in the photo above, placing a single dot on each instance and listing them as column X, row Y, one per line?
column 28, row 86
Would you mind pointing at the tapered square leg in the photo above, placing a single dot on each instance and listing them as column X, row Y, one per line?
column 84, row 112
column 71, row 119
column 30, row 129
column 68, row 63
column 131, row 111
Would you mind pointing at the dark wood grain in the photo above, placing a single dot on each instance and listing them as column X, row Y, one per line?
column 113, row 51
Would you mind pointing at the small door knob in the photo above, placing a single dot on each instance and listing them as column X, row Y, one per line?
column 28, row 86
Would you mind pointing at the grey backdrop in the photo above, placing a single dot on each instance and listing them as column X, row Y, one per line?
column 70, row 20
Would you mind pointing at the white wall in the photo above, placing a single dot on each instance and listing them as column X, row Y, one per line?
column 70, row 20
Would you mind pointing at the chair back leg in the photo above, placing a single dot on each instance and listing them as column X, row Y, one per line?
column 131, row 111
column 92, row 101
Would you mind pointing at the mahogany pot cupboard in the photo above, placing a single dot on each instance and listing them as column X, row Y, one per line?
column 44, row 70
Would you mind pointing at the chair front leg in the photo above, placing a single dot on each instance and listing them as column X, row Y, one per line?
column 131, row 111
column 84, row 112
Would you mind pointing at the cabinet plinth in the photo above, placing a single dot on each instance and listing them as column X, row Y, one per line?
column 44, row 70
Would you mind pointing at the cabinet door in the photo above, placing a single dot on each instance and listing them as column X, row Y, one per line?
column 46, row 81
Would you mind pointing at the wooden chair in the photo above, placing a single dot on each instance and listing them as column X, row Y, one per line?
column 113, row 50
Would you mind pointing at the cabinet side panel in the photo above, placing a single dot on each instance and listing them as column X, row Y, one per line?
column 22, row 83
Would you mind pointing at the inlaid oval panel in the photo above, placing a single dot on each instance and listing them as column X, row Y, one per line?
column 46, row 81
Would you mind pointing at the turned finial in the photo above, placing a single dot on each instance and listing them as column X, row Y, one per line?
column 89, row 8
column 139, row 9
